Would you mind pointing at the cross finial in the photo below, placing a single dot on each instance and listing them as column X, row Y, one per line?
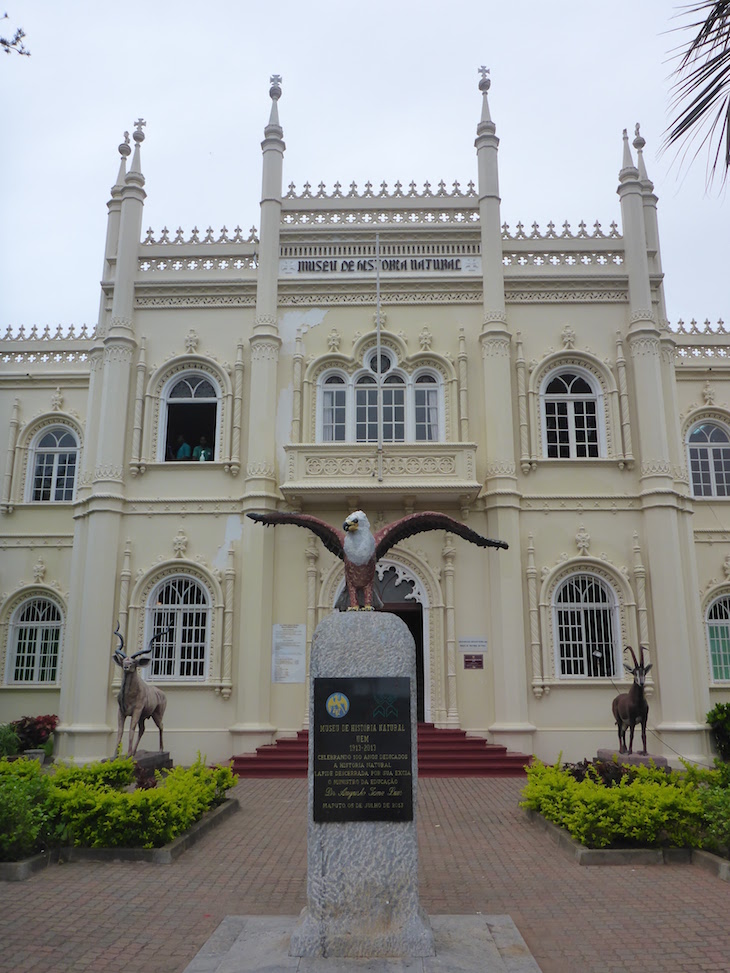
column 138, row 134
column 275, row 79
column 485, row 81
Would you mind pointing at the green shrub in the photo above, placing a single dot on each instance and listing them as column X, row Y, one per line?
column 113, row 774
column 719, row 720
column 9, row 742
column 96, row 816
column 648, row 807
column 26, row 821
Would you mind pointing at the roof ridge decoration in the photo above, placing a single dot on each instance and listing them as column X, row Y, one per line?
column 209, row 237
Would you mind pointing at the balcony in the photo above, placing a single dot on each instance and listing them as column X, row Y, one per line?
column 429, row 472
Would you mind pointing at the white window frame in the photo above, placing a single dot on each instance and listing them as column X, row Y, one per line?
column 158, row 616
column 596, row 397
column 353, row 384
column 190, row 373
column 721, row 627
column 56, row 452
column 708, row 449
column 610, row 607
column 57, row 625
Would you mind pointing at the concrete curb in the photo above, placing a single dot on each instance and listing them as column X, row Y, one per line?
column 21, row 870
column 720, row 867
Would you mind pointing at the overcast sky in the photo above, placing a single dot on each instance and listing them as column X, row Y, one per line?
column 371, row 90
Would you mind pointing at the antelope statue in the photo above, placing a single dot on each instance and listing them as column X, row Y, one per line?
column 631, row 708
column 136, row 698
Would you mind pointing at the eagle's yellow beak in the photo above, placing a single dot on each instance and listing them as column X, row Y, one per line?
column 349, row 525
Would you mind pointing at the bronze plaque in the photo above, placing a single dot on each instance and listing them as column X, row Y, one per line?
column 362, row 749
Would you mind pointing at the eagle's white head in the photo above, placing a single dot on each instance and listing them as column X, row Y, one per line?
column 359, row 540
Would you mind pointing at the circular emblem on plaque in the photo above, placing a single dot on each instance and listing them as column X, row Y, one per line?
column 337, row 705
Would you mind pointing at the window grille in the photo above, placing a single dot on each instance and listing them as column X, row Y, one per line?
column 180, row 605
column 718, row 636
column 585, row 624
column 36, row 642
column 54, row 471
column 709, row 460
column 571, row 419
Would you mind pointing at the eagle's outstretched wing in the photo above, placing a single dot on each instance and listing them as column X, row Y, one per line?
column 389, row 536
column 332, row 538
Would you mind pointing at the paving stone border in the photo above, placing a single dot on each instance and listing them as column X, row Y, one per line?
column 720, row 867
column 21, row 870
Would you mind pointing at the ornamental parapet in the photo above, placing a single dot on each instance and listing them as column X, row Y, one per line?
column 700, row 345
column 432, row 471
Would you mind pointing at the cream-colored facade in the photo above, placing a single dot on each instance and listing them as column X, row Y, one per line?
column 530, row 385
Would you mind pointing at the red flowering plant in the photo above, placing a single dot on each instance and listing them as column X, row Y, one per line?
column 34, row 731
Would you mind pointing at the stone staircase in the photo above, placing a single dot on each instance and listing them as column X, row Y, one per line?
column 441, row 753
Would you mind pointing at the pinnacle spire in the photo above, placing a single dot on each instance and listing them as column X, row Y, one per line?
column 485, row 123
column 138, row 136
column 628, row 169
column 639, row 143
column 274, row 128
column 125, row 150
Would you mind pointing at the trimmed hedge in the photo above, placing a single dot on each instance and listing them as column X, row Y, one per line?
column 86, row 805
column 636, row 806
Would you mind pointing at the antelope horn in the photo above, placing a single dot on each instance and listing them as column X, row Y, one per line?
column 642, row 649
column 121, row 640
column 633, row 654
column 153, row 639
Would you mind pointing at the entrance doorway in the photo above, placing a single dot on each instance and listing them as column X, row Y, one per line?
column 397, row 595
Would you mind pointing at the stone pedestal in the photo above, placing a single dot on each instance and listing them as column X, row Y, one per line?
column 362, row 872
column 153, row 759
column 632, row 759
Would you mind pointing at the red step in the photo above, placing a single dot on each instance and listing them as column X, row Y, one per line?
column 441, row 753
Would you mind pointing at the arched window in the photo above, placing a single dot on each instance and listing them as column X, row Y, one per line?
column 348, row 409
column 709, row 460
column 54, row 460
column 586, row 626
column 570, row 417
column 191, row 416
column 426, row 408
column 36, row 630
column 180, row 608
column 334, row 409
column 718, row 638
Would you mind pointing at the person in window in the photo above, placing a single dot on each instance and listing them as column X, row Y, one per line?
column 183, row 448
column 202, row 452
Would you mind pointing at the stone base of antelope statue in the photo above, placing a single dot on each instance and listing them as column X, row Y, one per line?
column 153, row 759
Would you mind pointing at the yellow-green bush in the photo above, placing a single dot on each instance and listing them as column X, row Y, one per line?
column 86, row 805
column 647, row 807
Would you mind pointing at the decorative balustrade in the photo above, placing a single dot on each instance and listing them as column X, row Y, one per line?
column 209, row 238
column 368, row 193
column 545, row 259
column 695, row 342
column 45, row 345
column 148, row 265
column 379, row 217
column 433, row 470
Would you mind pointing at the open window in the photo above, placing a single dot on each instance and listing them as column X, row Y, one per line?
column 192, row 405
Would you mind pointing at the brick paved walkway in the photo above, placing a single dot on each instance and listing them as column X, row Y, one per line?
column 478, row 854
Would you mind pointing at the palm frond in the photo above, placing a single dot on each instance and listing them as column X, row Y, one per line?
column 701, row 91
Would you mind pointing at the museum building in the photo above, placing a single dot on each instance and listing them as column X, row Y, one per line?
column 392, row 349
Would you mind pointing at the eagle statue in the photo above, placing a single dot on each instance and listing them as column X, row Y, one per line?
column 360, row 549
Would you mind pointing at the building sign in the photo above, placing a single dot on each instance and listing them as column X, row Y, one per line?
column 473, row 645
column 288, row 653
column 362, row 749
column 388, row 265
column 474, row 661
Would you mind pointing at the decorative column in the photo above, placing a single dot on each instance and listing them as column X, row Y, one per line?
column 448, row 553
column 252, row 727
column 85, row 708
column 679, row 644
column 6, row 506
column 312, row 556
column 504, row 595
column 463, row 388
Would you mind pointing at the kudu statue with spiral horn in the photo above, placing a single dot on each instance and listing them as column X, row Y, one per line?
column 632, row 707
column 136, row 698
